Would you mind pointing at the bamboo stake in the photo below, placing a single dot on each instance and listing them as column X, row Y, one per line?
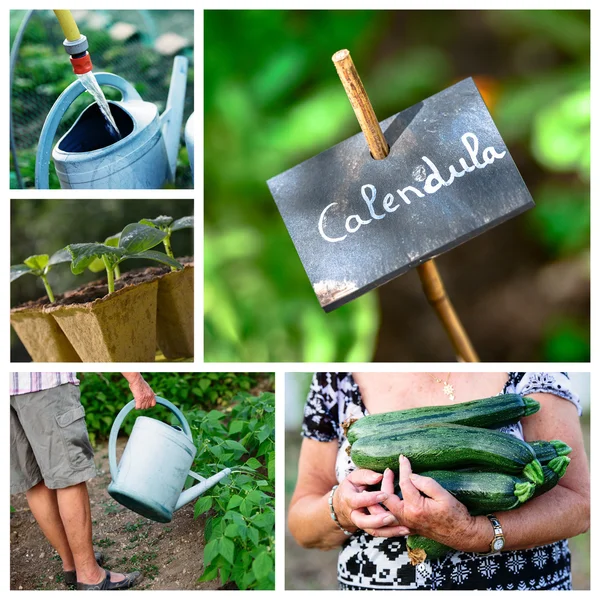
column 432, row 283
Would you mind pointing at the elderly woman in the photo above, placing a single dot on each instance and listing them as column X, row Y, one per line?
column 373, row 552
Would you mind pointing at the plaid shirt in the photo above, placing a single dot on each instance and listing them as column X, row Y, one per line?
column 25, row 383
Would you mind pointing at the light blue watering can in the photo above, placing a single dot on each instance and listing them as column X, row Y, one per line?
column 154, row 466
column 87, row 156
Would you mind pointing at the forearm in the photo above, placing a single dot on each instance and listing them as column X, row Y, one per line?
column 311, row 524
column 558, row 514
column 133, row 378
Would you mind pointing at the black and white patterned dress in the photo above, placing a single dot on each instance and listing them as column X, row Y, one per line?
column 367, row 562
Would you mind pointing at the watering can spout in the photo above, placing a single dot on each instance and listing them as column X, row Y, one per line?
column 172, row 118
column 199, row 489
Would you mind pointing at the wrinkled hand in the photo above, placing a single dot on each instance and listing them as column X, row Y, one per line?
column 437, row 514
column 142, row 394
column 351, row 502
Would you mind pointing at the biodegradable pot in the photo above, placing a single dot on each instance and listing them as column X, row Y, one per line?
column 41, row 335
column 120, row 327
column 175, row 313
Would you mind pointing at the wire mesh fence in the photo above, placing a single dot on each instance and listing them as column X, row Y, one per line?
column 137, row 45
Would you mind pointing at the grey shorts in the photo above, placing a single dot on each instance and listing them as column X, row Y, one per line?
column 49, row 440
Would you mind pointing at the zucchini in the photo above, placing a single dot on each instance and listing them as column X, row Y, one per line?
column 488, row 412
column 483, row 492
column 445, row 446
column 420, row 548
column 546, row 451
column 553, row 471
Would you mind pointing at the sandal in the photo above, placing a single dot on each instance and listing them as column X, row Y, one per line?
column 106, row 584
column 70, row 577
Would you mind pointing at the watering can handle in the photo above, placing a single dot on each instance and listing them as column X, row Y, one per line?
column 42, row 162
column 114, row 431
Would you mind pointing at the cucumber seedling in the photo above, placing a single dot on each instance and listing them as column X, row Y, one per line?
column 166, row 224
column 135, row 241
column 40, row 265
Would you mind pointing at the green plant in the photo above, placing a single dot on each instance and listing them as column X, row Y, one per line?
column 40, row 265
column 135, row 241
column 239, row 532
column 444, row 446
column 487, row 412
column 168, row 226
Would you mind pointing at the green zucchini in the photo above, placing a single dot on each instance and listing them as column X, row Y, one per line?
column 488, row 412
column 445, row 446
column 546, row 451
column 420, row 548
column 483, row 492
column 553, row 471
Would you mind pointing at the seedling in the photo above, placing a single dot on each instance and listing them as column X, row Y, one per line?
column 97, row 264
column 135, row 241
column 40, row 265
column 166, row 224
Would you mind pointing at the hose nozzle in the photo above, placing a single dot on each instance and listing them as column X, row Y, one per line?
column 75, row 44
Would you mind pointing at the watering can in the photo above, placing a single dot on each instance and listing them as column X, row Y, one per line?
column 87, row 156
column 189, row 140
column 154, row 465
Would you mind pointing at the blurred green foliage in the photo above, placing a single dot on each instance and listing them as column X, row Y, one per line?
column 103, row 395
column 280, row 103
column 43, row 71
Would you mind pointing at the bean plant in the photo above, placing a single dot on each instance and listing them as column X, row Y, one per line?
column 40, row 265
column 135, row 241
column 166, row 224
column 240, row 528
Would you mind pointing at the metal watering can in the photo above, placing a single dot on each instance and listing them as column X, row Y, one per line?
column 87, row 157
column 154, row 466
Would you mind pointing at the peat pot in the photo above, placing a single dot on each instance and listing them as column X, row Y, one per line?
column 175, row 316
column 41, row 335
column 120, row 327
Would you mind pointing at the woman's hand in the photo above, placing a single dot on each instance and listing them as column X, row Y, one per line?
column 351, row 503
column 436, row 515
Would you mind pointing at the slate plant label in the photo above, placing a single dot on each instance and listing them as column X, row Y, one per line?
column 358, row 222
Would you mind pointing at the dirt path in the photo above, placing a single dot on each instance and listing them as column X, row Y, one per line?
column 169, row 555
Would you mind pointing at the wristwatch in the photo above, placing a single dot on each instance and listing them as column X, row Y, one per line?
column 498, row 540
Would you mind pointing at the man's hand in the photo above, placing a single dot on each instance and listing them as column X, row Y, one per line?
column 142, row 393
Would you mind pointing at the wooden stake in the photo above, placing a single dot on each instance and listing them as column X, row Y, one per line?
column 431, row 281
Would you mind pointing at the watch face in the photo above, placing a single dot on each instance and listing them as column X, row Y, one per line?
column 498, row 544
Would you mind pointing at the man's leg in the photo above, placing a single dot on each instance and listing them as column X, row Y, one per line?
column 75, row 513
column 44, row 508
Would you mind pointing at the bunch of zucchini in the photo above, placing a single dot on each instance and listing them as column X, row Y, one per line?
column 486, row 470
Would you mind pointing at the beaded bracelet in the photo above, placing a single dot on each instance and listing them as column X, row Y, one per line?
column 332, row 511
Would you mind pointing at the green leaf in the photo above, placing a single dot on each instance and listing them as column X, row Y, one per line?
column 60, row 256
column 233, row 445
column 236, row 427
column 210, row 573
column 203, row 504
column 84, row 254
column 226, row 549
column 234, row 502
column 37, row 262
column 160, row 257
column 262, row 565
column 183, row 223
column 231, row 530
column 253, row 463
column 17, row 270
column 210, row 551
column 253, row 535
column 271, row 466
column 162, row 221
column 136, row 238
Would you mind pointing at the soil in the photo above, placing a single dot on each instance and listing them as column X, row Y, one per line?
column 169, row 555
column 99, row 288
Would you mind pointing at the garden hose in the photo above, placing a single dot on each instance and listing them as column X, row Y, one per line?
column 75, row 43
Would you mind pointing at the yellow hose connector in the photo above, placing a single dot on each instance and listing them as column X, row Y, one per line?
column 68, row 25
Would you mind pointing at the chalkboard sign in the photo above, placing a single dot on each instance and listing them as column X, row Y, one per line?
column 358, row 222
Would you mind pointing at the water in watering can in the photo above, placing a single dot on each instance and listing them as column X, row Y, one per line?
column 91, row 85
